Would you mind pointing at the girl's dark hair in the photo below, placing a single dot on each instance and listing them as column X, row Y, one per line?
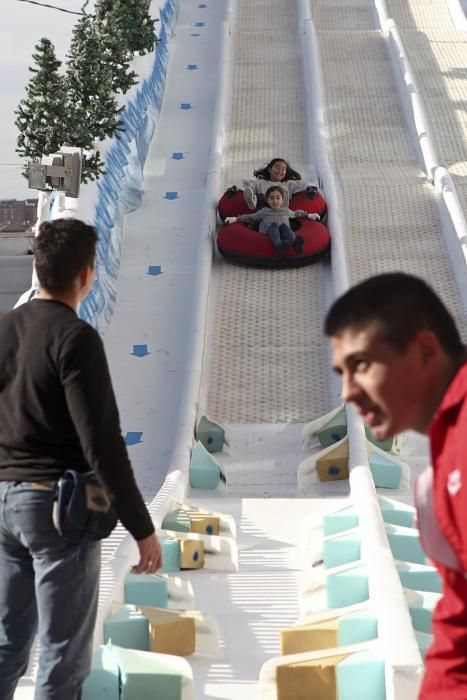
column 400, row 306
column 62, row 248
column 264, row 172
column 274, row 188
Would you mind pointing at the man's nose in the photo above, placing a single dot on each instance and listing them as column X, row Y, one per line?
column 350, row 390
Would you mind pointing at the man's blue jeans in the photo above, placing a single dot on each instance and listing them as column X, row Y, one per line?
column 281, row 235
column 44, row 588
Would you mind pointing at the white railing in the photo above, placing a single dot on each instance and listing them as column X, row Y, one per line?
column 403, row 660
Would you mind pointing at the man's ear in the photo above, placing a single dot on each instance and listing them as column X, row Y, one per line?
column 428, row 346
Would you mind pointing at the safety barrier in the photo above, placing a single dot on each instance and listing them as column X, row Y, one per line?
column 403, row 662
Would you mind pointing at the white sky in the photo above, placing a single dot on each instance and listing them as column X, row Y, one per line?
column 21, row 27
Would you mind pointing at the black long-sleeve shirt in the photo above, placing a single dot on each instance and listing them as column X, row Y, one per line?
column 58, row 409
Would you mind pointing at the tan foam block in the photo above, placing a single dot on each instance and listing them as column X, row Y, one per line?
column 191, row 554
column 204, row 524
column 308, row 679
column 312, row 637
column 334, row 464
column 170, row 632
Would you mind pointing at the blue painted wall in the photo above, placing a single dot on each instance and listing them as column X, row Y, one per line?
column 120, row 189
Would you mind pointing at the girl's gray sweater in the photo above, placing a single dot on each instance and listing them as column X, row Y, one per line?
column 268, row 216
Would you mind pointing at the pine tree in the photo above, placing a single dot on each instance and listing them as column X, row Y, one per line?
column 40, row 116
column 115, row 50
column 130, row 20
column 92, row 109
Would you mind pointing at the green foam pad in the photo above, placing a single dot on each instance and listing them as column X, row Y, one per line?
column 210, row 434
column 334, row 430
column 103, row 681
column 170, row 554
column 178, row 520
column 386, row 473
column 385, row 445
column 356, row 627
column 145, row 676
column 347, row 587
column 146, row 589
column 350, row 674
column 341, row 550
column 204, row 470
column 341, row 520
column 127, row 628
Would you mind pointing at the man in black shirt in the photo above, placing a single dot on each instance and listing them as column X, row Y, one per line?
column 57, row 411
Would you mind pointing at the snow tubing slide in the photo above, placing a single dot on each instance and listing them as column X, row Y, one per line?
column 245, row 246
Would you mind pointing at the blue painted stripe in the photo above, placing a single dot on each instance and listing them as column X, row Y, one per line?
column 133, row 438
column 154, row 270
column 177, row 156
column 192, row 66
column 171, row 195
column 185, row 105
column 140, row 351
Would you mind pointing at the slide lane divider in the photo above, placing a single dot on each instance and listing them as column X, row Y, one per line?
column 404, row 664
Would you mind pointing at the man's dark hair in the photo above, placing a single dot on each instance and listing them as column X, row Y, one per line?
column 400, row 306
column 62, row 248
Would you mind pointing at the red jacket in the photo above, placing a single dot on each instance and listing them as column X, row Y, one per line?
column 446, row 661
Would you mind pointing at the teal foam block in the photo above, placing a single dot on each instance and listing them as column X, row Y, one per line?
column 342, row 549
column 170, row 554
column 178, row 520
column 395, row 513
column 364, row 671
column 417, row 577
column 356, row 627
column 424, row 641
column 145, row 676
column 347, row 587
column 127, row 628
column 405, row 545
column 146, row 589
column 204, row 470
column 334, row 430
column 341, row 520
column 421, row 611
column 386, row 473
column 385, row 445
column 210, row 434
column 421, row 619
column 103, row 682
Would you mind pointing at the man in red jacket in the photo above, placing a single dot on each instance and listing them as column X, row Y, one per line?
column 403, row 366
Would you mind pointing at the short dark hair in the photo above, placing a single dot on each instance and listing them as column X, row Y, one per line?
column 62, row 249
column 400, row 306
column 274, row 188
column 265, row 174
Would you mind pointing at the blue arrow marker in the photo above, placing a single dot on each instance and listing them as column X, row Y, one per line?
column 133, row 438
column 171, row 195
column 177, row 156
column 154, row 270
column 192, row 66
column 185, row 105
column 140, row 351
column 199, row 24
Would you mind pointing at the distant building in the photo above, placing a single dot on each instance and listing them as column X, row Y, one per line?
column 18, row 212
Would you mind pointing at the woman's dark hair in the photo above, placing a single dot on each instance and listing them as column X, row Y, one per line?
column 264, row 172
column 62, row 249
column 400, row 306
column 274, row 188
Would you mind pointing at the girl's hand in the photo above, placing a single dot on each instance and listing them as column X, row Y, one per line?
column 230, row 219
column 314, row 217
